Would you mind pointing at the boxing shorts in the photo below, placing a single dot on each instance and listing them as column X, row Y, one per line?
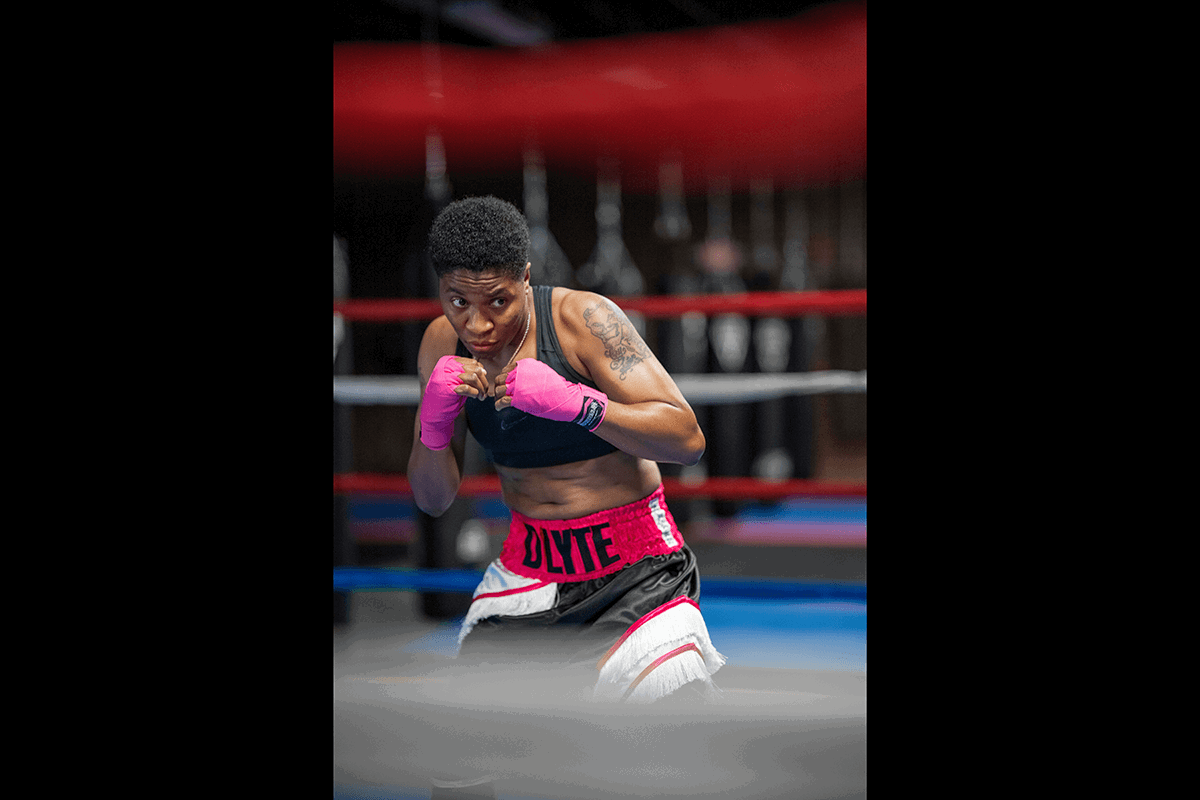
column 616, row 593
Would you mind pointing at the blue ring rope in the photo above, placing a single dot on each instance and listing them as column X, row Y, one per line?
column 367, row 579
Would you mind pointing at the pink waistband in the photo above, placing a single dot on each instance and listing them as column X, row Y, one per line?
column 568, row 550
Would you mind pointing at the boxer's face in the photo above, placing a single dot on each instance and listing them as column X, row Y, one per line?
column 488, row 309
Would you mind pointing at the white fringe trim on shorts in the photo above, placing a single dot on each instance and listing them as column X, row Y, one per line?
column 663, row 651
column 505, row 593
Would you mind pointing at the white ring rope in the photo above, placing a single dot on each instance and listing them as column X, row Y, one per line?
column 339, row 332
column 701, row 389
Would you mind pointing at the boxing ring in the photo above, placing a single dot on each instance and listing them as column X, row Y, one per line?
column 791, row 722
column 795, row 683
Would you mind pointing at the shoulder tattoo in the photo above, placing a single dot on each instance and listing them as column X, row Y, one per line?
column 622, row 344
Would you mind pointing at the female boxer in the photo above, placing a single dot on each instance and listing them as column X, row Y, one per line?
column 574, row 411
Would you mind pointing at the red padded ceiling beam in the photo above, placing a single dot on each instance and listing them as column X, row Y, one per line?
column 780, row 99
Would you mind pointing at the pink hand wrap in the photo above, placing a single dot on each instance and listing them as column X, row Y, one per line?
column 537, row 389
column 440, row 405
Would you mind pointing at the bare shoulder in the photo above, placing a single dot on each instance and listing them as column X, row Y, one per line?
column 571, row 304
column 591, row 324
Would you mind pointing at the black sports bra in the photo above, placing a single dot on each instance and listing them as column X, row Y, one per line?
column 512, row 438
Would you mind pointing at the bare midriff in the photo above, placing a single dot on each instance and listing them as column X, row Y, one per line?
column 567, row 491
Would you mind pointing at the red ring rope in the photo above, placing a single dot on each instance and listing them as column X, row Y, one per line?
column 715, row 488
column 833, row 302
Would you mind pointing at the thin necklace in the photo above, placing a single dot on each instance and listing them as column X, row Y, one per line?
column 528, row 317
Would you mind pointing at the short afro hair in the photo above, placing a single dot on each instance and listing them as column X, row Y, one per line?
column 477, row 234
